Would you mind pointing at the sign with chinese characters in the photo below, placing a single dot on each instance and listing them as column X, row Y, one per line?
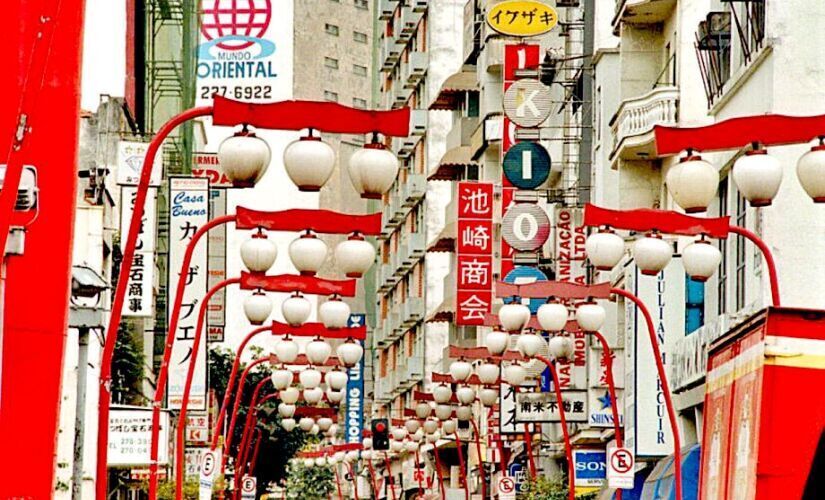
column 355, row 391
column 207, row 165
column 525, row 226
column 591, row 467
column 216, row 311
column 522, row 18
column 621, row 466
column 130, row 156
column 474, row 283
column 197, row 428
column 130, row 434
column 507, row 410
column 543, row 407
column 188, row 212
column 192, row 458
column 139, row 291
column 527, row 165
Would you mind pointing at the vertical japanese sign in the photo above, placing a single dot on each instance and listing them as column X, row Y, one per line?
column 474, row 283
column 355, row 391
column 139, row 292
column 188, row 212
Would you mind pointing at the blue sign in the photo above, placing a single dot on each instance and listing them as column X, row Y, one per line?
column 521, row 275
column 354, row 410
column 527, row 165
column 591, row 467
column 519, row 475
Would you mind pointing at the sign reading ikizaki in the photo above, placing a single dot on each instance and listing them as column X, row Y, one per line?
column 522, row 18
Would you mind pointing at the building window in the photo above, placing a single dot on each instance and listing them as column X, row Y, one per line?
column 722, row 281
column 359, row 103
column 741, row 277
column 330, row 96
column 331, row 63
column 359, row 37
column 331, row 29
column 362, row 4
column 359, row 70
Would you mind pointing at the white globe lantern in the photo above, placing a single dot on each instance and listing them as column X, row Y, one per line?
column 396, row 446
column 513, row 317
column 320, row 461
column 487, row 373
column 335, row 397
column 366, row 454
column 244, row 158
column 309, row 462
column 515, row 374
column 465, row 395
column 810, row 170
column 310, row 379
column 318, row 351
column 351, row 456
column 701, row 259
column 411, row 446
column 306, row 423
column 313, row 396
column 333, row 459
column 314, row 430
column 417, row 436
column 553, row 316
column 652, row 254
column 590, row 316
column 412, row 425
column 288, row 424
column 373, row 170
column 442, row 394
column 449, row 427
column 464, row 413
column 529, row 344
column 460, row 370
column 399, row 433
column 432, row 438
column 367, row 443
column 443, row 412
column 340, row 456
column 561, row 347
column 325, row 423
column 259, row 253
column 334, row 313
column 758, row 176
column 488, row 397
column 693, row 183
column 422, row 410
column 349, row 353
column 430, row 426
column 281, row 379
column 309, row 162
column 286, row 410
column 497, row 342
column 290, row 395
column 308, row 253
column 257, row 307
column 354, row 256
column 336, row 380
column 296, row 310
column 604, row 249
column 332, row 431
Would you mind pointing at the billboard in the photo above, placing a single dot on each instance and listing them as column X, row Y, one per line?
column 130, row 433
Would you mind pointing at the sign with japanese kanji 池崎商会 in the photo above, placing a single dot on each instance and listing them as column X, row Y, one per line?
column 474, row 283
column 188, row 212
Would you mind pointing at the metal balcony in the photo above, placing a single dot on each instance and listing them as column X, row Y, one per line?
column 419, row 119
column 416, row 69
column 409, row 20
column 390, row 52
column 412, row 311
column 413, row 190
column 386, row 8
column 633, row 123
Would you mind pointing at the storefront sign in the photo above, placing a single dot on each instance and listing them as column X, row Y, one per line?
column 544, row 407
column 527, row 165
column 525, row 226
column 600, row 408
column 197, row 428
column 474, row 252
column 139, row 291
column 591, row 467
column 193, row 458
column 207, row 165
column 188, row 212
column 528, row 102
column 216, row 311
column 570, row 240
column 355, row 391
column 522, row 18
column 130, row 434
column 130, row 156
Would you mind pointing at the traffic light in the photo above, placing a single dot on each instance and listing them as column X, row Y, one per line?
column 380, row 434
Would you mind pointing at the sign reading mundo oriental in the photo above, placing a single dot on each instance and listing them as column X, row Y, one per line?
column 474, row 294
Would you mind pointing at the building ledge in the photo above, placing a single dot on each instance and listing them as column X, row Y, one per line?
column 634, row 121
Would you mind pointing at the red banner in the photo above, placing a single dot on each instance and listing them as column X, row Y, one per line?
column 474, row 251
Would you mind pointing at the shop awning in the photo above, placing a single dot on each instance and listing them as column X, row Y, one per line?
column 453, row 164
column 454, row 89
column 445, row 240
column 659, row 484
column 445, row 312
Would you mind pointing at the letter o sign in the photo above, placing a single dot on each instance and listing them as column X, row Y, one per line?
column 525, row 227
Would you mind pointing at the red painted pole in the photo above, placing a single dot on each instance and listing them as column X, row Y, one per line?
column 117, row 309
column 660, row 368
column 390, row 478
column 769, row 262
column 39, row 121
column 190, row 373
column 568, row 448
column 372, row 478
column 420, row 476
column 462, row 466
column 354, row 480
column 528, row 443
column 480, row 460
column 230, row 431
column 611, row 387
column 439, row 473
column 163, row 373
column 254, row 460
column 243, row 448
column 338, row 482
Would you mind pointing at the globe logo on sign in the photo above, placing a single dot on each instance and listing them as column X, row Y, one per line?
column 235, row 24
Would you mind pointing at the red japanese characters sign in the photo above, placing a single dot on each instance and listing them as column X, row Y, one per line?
column 474, row 281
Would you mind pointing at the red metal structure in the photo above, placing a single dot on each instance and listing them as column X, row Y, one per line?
column 39, row 121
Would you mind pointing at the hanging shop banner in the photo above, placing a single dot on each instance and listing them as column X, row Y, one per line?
column 543, row 407
column 522, row 18
column 591, row 467
column 573, row 372
column 216, row 311
column 130, row 435
column 527, row 165
column 355, row 390
column 646, row 421
column 130, row 156
column 474, row 286
column 207, row 165
column 188, row 212
column 139, row 292
column 570, row 240
column 600, row 408
column 528, row 102
column 525, row 227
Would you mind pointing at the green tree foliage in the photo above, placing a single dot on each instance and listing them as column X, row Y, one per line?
column 127, row 369
column 166, row 490
column 309, row 483
column 550, row 488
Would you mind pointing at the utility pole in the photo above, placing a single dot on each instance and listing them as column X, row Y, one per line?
column 80, row 411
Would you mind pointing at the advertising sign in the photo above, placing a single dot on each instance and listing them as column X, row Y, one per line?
column 139, row 292
column 507, row 411
column 522, row 18
column 209, row 465
column 528, row 102
column 197, row 427
column 474, row 285
column 130, row 434
column 216, row 311
column 207, row 165
column 130, row 156
column 570, row 240
column 544, row 408
column 192, row 461
column 188, row 211
column 527, row 165
column 620, row 468
column 525, row 226
column 600, row 408
column 591, row 467
column 355, row 391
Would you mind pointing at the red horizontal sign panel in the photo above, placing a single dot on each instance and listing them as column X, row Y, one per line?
column 319, row 330
column 648, row 219
column 289, row 283
column 300, row 219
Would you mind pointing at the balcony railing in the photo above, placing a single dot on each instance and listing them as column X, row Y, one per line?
column 633, row 123
column 416, row 69
column 386, row 8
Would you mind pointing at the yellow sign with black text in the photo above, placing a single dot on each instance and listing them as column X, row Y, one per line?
column 523, row 18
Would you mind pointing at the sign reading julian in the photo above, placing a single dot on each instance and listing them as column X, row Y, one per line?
column 474, row 252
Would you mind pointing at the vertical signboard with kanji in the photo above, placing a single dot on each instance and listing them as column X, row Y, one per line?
column 188, row 212
column 139, row 290
column 474, row 294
